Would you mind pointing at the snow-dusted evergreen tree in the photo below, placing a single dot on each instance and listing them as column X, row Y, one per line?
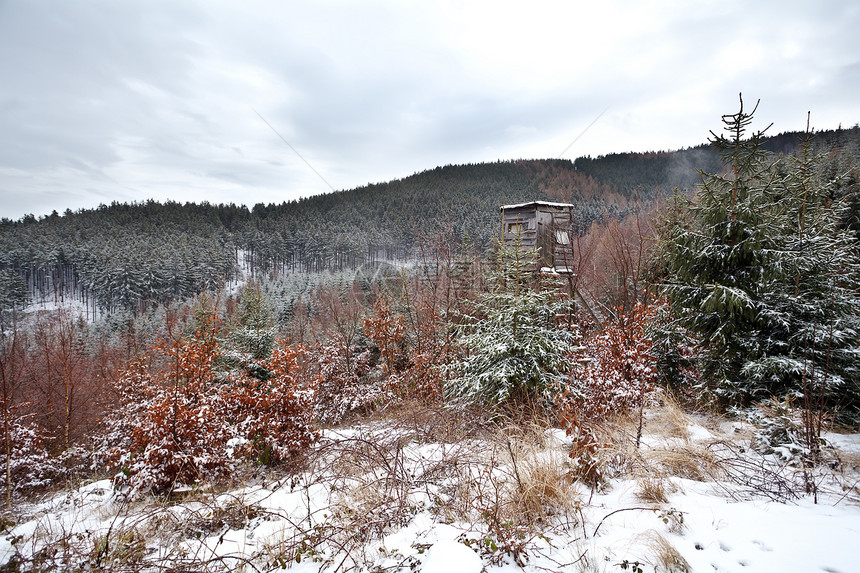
column 13, row 292
column 758, row 270
column 713, row 259
column 512, row 348
column 810, row 302
column 251, row 342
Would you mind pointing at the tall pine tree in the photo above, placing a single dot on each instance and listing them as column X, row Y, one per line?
column 809, row 347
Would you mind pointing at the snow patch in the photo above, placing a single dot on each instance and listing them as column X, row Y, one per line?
column 848, row 443
column 451, row 557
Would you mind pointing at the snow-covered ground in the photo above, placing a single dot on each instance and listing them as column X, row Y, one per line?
column 413, row 495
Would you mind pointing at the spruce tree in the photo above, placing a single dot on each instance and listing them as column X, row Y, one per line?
column 760, row 273
column 809, row 347
column 252, row 339
column 714, row 261
column 512, row 350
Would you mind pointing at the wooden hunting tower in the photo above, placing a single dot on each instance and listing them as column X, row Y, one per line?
column 544, row 226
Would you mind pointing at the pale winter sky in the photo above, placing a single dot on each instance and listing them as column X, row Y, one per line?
column 114, row 100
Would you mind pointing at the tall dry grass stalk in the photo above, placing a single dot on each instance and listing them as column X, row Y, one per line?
column 690, row 462
column 654, row 490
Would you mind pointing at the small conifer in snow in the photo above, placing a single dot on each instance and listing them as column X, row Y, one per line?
column 511, row 347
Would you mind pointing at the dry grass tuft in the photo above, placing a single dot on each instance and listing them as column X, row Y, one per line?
column 850, row 461
column 691, row 462
column 544, row 487
column 670, row 420
column 539, row 483
column 125, row 549
column 654, row 490
column 664, row 556
column 603, row 451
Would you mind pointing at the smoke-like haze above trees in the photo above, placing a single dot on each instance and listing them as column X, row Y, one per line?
column 105, row 101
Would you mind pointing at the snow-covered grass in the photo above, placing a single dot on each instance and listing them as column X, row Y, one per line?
column 430, row 491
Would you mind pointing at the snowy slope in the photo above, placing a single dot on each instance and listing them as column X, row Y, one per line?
column 412, row 495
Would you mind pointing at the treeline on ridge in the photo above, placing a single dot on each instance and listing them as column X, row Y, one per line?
column 132, row 256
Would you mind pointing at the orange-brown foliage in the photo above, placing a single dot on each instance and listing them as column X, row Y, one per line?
column 618, row 373
column 386, row 330
column 274, row 415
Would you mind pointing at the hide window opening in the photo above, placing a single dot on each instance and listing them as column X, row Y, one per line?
column 515, row 228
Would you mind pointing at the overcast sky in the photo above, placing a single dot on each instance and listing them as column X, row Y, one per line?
column 117, row 100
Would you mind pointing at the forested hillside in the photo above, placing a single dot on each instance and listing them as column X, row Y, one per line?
column 129, row 257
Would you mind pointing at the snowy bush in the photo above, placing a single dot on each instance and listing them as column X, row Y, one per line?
column 179, row 441
column 273, row 416
column 617, row 375
column 385, row 329
column 779, row 429
column 428, row 343
column 26, row 461
column 344, row 388
column 170, row 429
column 618, row 367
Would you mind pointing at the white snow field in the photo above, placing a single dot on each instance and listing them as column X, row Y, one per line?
column 413, row 495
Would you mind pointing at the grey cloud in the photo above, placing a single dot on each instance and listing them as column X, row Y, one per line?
column 103, row 99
